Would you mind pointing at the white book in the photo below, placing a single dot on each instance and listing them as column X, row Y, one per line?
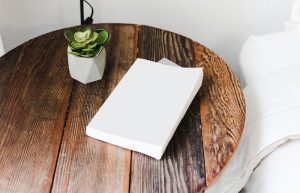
column 144, row 110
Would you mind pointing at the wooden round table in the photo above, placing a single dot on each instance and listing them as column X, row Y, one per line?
column 44, row 112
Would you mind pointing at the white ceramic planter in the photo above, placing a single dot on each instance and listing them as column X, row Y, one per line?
column 87, row 70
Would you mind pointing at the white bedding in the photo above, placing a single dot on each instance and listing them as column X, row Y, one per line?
column 263, row 54
column 272, row 116
column 279, row 172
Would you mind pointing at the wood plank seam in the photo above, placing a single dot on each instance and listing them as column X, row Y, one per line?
column 113, row 170
column 62, row 135
column 36, row 106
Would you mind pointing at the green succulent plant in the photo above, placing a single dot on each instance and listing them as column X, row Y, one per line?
column 85, row 42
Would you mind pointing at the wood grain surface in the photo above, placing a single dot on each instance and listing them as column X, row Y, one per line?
column 35, row 89
column 181, row 169
column 44, row 112
column 85, row 164
column 222, row 108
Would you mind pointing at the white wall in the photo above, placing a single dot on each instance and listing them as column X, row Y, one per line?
column 23, row 20
column 222, row 25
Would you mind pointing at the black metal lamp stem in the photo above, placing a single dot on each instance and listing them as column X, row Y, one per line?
column 88, row 20
column 81, row 12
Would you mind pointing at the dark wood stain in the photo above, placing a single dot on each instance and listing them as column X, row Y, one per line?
column 222, row 108
column 85, row 164
column 43, row 115
column 35, row 89
column 182, row 167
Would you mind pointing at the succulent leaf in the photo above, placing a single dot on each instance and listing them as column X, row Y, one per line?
column 88, row 49
column 98, row 50
column 90, row 46
column 103, row 37
column 75, row 53
column 77, row 45
column 87, row 55
column 69, row 35
column 94, row 36
column 87, row 42
column 82, row 36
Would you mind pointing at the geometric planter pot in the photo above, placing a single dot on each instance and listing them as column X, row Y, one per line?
column 87, row 70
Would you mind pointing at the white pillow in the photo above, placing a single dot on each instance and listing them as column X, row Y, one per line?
column 263, row 54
